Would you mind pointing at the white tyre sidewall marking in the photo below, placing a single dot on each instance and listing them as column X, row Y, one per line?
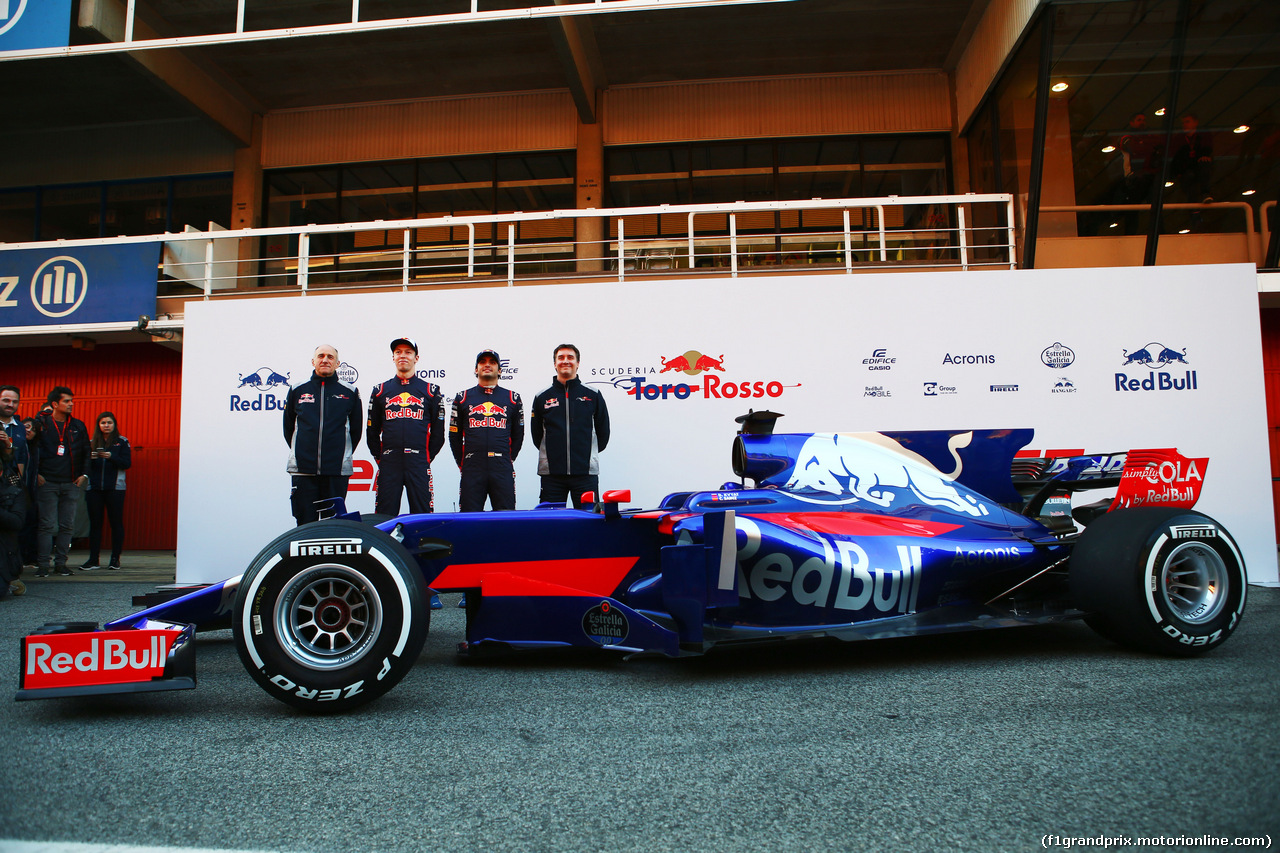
column 406, row 613
column 246, row 621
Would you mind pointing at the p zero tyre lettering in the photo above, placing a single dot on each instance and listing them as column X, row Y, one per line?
column 330, row 631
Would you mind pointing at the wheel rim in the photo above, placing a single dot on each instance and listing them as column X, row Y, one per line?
column 328, row 617
column 1193, row 582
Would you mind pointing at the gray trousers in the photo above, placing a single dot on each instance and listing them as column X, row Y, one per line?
column 57, row 505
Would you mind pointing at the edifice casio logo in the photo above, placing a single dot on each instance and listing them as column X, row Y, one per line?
column 1154, row 356
column 691, row 363
column 879, row 360
column 10, row 12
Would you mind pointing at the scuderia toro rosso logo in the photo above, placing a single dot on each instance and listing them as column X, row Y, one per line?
column 647, row 382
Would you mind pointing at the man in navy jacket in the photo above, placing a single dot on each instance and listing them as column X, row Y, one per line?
column 569, row 424
column 322, row 423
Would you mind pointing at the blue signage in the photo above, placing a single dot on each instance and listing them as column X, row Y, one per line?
column 81, row 284
column 26, row 24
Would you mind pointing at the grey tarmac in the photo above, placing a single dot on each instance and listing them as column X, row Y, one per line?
column 972, row 742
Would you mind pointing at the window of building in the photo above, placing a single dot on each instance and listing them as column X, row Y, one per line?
column 115, row 208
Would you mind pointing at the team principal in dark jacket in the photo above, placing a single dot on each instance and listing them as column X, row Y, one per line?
column 569, row 424
column 322, row 423
column 406, row 431
column 485, row 436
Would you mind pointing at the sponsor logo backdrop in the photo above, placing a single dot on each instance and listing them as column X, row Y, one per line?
column 678, row 360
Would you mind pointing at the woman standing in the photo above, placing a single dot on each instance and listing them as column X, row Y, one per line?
column 109, row 456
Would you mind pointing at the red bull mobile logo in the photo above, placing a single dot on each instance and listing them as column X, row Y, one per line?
column 712, row 386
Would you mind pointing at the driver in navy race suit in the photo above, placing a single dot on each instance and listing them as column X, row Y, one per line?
column 405, row 432
column 485, row 435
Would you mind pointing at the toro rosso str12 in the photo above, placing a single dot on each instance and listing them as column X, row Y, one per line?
column 851, row 536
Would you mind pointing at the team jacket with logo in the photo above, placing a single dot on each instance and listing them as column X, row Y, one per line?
column 486, row 421
column 322, row 425
column 406, row 414
column 570, row 426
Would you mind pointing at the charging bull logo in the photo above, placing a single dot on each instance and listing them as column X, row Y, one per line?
column 842, row 469
column 263, row 378
column 1155, row 355
column 692, row 363
column 487, row 414
column 404, row 405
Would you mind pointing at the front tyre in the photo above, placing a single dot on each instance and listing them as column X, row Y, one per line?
column 330, row 615
column 1164, row 580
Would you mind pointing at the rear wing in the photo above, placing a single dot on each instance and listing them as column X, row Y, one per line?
column 1144, row 477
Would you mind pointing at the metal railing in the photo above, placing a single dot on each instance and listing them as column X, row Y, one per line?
column 130, row 40
column 845, row 235
column 1256, row 251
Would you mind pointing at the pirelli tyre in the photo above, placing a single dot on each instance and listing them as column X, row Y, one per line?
column 331, row 615
column 1164, row 580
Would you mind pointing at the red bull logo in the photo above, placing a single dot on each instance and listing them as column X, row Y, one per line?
column 487, row 414
column 486, row 410
column 692, row 363
column 405, row 405
column 404, row 399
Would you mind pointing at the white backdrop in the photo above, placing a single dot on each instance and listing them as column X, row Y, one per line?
column 1038, row 348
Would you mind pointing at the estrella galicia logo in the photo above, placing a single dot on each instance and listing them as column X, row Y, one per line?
column 880, row 360
column 1155, row 355
column 59, row 284
column 10, row 16
column 263, row 378
column 605, row 624
column 347, row 373
column 1057, row 356
column 937, row 389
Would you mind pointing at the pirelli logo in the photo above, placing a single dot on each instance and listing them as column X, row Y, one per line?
column 1194, row 531
column 325, row 547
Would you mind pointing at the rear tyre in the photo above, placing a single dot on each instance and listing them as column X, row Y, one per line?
column 330, row 615
column 1164, row 580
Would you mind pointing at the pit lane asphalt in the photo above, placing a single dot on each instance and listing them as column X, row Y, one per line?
column 984, row 741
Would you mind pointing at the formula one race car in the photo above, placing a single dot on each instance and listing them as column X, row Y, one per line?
column 852, row 536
